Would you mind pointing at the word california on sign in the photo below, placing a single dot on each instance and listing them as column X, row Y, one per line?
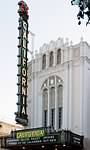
column 21, row 114
column 30, row 133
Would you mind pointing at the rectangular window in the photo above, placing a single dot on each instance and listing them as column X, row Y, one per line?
column 59, row 117
column 52, row 117
column 45, row 118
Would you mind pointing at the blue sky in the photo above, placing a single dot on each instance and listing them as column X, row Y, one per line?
column 48, row 20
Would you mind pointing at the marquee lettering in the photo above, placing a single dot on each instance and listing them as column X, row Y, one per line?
column 28, row 134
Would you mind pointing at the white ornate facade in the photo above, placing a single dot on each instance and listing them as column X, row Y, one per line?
column 59, row 87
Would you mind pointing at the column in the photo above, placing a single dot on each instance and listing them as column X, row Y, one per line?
column 65, row 98
column 48, row 107
column 70, row 87
column 81, row 86
column 85, row 99
column 40, row 108
column 32, row 101
column 65, row 122
column 35, row 92
column 56, row 109
column 47, row 59
column 81, row 96
column 55, row 58
column 70, row 95
column 40, row 59
column 62, row 53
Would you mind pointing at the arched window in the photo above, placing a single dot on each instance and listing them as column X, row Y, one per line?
column 44, row 61
column 58, row 56
column 51, row 59
column 45, row 106
column 45, row 99
column 60, row 105
column 52, row 102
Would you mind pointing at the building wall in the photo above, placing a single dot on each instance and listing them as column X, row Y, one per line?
column 74, row 71
column 75, row 98
column 6, row 128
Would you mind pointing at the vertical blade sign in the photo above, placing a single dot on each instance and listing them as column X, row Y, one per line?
column 21, row 114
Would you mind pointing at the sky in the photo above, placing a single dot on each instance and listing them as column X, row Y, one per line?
column 48, row 20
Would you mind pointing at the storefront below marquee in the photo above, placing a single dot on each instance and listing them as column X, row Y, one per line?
column 42, row 139
column 46, row 147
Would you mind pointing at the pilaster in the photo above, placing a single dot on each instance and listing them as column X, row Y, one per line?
column 48, row 105
column 47, row 59
column 81, row 86
column 70, row 87
column 70, row 95
column 55, row 57
column 56, row 107
column 65, row 98
column 85, row 99
column 32, row 102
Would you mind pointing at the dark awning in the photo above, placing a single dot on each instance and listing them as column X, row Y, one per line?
column 42, row 137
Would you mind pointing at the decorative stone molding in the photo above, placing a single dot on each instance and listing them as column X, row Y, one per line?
column 87, row 59
column 67, row 42
column 59, row 81
column 52, row 45
column 59, row 43
column 76, row 52
column 44, row 48
column 71, row 43
column 51, row 81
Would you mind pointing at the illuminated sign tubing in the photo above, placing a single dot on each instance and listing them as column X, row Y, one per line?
column 29, row 134
column 21, row 115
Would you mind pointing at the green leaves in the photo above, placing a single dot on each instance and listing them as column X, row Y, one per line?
column 76, row 2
